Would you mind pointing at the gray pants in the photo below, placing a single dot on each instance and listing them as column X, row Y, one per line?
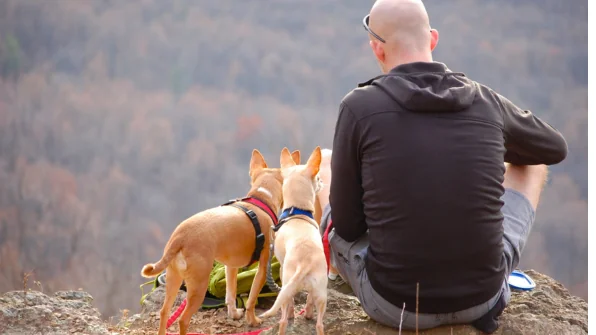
column 518, row 220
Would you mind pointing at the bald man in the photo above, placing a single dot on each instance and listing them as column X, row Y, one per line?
column 420, row 191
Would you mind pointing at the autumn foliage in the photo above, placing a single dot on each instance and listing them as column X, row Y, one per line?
column 119, row 119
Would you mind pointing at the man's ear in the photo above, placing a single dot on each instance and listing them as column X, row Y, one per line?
column 434, row 39
column 296, row 157
column 257, row 163
column 286, row 160
column 378, row 50
column 314, row 162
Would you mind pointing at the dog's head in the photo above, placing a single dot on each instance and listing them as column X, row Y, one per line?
column 319, row 180
column 267, row 180
column 300, row 182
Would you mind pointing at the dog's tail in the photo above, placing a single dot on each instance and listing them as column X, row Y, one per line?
column 152, row 270
column 288, row 291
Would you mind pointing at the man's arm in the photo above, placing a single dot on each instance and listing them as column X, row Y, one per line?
column 346, row 186
column 529, row 140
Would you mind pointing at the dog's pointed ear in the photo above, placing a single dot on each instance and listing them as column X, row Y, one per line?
column 257, row 163
column 296, row 157
column 286, row 160
column 314, row 162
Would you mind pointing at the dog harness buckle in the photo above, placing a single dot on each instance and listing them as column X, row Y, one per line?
column 281, row 223
column 289, row 213
column 231, row 201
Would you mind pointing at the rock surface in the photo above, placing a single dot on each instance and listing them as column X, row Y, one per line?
column 32, row 312
column 548, row 309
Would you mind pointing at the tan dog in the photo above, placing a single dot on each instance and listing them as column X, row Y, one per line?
column 225, row 234
column 298, row 244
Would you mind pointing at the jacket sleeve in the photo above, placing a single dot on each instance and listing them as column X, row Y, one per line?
column 528, row 139
column 346, row 186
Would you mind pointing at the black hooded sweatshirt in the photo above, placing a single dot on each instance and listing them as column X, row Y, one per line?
column 418, row 162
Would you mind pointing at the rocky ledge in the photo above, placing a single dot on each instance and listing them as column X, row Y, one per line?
column 548, row 309
column 33, row 312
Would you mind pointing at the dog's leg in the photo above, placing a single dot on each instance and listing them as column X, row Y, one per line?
column 283, row 322
column 332, row 273
column 231, row 289
column 257, row 286
column 196, row 287
column 291, row 312
column 173, row 282
column 321, row 303
column 309, row 310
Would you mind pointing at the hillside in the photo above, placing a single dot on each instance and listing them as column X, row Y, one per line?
column 120, row 119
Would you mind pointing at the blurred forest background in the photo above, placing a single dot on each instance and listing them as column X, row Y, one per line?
column 119, row 119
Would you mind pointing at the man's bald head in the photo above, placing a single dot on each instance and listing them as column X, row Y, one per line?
column 405, row 27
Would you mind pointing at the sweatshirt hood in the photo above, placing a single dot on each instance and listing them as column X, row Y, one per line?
column 426, row 87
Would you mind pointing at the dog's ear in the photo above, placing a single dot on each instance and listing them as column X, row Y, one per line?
column 314, row 162
column 257, row 163
column 286, row 160
column 296, row 157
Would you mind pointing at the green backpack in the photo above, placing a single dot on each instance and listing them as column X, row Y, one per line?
column 216, row 291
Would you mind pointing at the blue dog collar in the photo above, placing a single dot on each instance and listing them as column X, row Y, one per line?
column 295, row 211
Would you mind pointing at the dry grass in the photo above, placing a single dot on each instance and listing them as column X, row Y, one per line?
column 401, row 318
column 417, row 292
column 26, row 276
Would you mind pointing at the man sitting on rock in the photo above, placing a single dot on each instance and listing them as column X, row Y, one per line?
column 421, row 194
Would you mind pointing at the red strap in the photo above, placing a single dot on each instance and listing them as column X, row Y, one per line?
column 326, row 244
column 262, row 206
column 254, row 332
column 176, row 314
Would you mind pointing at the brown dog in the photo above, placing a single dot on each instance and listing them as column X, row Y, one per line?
column 226, row 234
column 298, row 244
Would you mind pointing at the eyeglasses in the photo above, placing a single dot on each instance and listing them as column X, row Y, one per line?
column 365, row 23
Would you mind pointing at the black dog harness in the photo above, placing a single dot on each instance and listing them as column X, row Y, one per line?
column 260, row 238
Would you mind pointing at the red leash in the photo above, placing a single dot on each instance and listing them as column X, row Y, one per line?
column 177, row 313
column 326, row 244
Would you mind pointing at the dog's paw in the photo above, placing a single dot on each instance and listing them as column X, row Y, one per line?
column 235, row 313
column 309, row 314
column 332, row 276
column 255, row 322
